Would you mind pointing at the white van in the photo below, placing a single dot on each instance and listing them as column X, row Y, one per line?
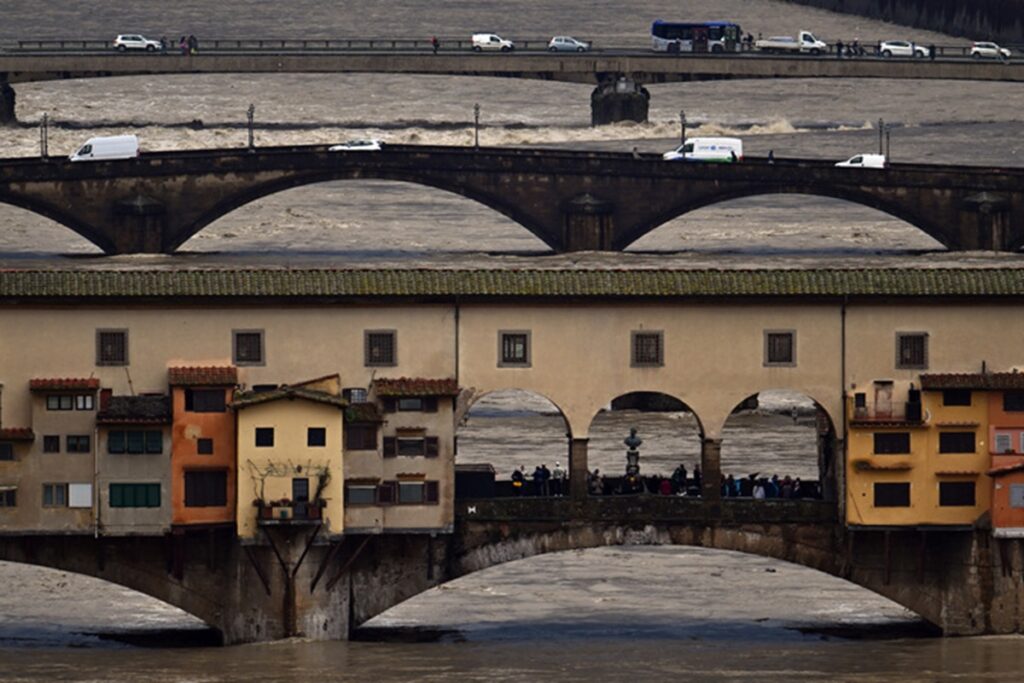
column 864, row 161
column 104, row 149
column 725, row 150
column 490, row 41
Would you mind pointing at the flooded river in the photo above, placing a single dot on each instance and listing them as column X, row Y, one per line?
column 646, row 613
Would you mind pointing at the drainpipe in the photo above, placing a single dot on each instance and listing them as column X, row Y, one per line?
column 840, row 465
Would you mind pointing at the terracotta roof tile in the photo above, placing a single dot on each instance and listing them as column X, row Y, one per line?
column 212, row 376
column 64, row 384
column 989, row 380
column 16, row 434
column 136, row 410
column 415, row 386
column 244, row 399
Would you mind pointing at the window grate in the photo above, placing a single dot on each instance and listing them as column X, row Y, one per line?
column 112, row 347
column 380, row 348
column 648, row 349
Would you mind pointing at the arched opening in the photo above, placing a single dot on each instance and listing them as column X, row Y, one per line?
column 671, row 448
column 26, row 233
column 364, row 219
column 781, row 441
column 508, row 431
column 787, row 225
column 46, row 607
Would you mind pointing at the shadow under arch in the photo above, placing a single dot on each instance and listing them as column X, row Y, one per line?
column 853, row 196
column 63, row 218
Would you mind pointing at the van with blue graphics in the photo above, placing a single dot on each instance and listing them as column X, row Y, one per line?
column 720, row 150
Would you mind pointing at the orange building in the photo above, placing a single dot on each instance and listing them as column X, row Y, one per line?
column 203, row 449
column 1006, row 437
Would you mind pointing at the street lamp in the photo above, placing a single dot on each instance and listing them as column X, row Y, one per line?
column 881, row 128
column 476, row 125
column 44, row 137
column 251, row 113
column 682, row 127
column 888, row 160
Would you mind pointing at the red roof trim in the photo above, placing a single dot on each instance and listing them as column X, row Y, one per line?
column 17, row 434
column 416, row 386
column 210, row 376
column 64, row 384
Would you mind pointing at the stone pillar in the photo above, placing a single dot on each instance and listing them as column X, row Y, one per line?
column 8, row 116
column 588, row 224
column 578, row 468
column 985, row 223
column 711, row 468
column 138, row 226
column 621, row 99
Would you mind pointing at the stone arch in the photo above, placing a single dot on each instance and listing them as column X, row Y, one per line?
column 58, row 215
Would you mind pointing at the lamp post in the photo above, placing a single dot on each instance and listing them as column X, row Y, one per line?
column 476, row 125
column 44, row 137
column 251, row 113
column 682, row 127
column 881, row 128
column 887, row 159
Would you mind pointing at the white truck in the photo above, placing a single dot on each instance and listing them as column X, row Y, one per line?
column 107, row 148
column 805, row 43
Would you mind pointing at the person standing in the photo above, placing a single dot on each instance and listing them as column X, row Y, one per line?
column 839, row 49
column 698, row 479
column 558, row 477
column 435, row 44
column 518, row 480
column 193, row 44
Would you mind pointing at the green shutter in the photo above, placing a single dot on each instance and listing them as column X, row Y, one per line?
column 152, row 495
column 136, row 442
column 115, row 442
column 154, row 441
column 116, row 495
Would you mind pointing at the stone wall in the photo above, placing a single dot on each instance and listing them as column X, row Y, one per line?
column 999, row 20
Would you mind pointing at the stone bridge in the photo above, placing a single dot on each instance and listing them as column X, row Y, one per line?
column 293, row 583
column 570, row 200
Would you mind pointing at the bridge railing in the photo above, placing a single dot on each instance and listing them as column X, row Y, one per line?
column 283, row 44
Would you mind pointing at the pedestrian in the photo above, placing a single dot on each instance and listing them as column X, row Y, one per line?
column 839, row 49
column 698, row 479
column 759, row 492
column 183, row 45
column 732, row 156
column 665, row 487
column 435, row 44
column 771, row 156
column 729, row 487
column 193, row 44
column 518, row 480
column 679, row 479
column 798, row 491
column 747, row 486
column 163, row 45
column 558, row 477
column 596, row 482
column 787, row 487
column 538, row 481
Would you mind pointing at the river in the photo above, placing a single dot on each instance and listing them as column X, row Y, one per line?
column 647, row 613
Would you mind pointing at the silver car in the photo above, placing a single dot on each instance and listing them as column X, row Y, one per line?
column 567, row 44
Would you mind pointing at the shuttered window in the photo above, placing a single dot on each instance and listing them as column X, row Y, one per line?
column 135, row 495
column 887, row 443
column 956, row 442
column 206, row 488
column 360, row 437
column 892, row 495
column 956, row 493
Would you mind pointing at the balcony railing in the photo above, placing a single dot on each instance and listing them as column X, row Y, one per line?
column 289, row 512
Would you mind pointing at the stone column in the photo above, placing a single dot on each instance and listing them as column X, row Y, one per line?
column 985, row 223
column 8, row 116
column 578, row 469
column 621, row 99
column 711, row 468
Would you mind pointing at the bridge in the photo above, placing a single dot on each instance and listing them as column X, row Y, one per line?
column 619, row 75
column 570, row 200
column 292, row 585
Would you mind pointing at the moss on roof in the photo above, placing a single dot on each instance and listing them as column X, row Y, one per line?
column 93, row 284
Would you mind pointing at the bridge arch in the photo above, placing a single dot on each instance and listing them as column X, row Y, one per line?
column 58, row 215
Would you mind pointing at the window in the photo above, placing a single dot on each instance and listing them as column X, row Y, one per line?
column 410, row 492
column 55, row 495
column 1004, row 442
column 956, row 442
column 354, row 394
column 6, row 451
column 892, row 495
column 248, row 347
column 513, row 349
column 956, row 397
column 359, row 494
column 300, row 490
column 205, row 400
column 135, row 495
column 410, row 404
column 648, row 349
column 316, row 437
column 411, row 446
column 779, row 347
column 206, row 489
column 204, row 446
column 8, row 498
column 111, row 347
column 85, row 402
column 135, row 441
column 79, row 495
column 360, row 437
column 58, row 402
column 892, row 443
column 912, row 350
column 1017, row 495
column 1013, row 401
column 78, row 443
column 51, row 443
column 380, row 348
column 265, row 437
column 956, row 493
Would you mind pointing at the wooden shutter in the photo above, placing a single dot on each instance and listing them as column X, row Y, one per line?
column 431, row 446
column 386, row 493
column 390, row 446
column 431, row 494
column 388, row 403
column 430, row 404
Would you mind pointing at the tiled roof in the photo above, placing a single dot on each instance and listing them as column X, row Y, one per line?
column 136, row 410
column 251, row 398
column 543, row 283
column 64, row 384
column 363, row 412
column 1005, row 469
column 213, row 376
column 16, row 434
column 987, row 380
column 415, row 386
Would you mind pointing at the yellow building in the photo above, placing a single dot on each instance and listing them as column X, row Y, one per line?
column 290, row 461
column 920, row 460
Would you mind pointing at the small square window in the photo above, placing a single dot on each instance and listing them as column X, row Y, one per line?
column 9, row 498
column 892, row 495
column 78, row 443
column 111, row 347
column 248, row 347
column 513, row 349
column 912, row 350
column 316, row 437
column 647, row 349
column 51, row 443
column 1013, row 401
column 85, row 402
column 779, row 347
column 380, row 348
column 956, row 397
column 55, row 495
column 265, row 437
column 204, row 446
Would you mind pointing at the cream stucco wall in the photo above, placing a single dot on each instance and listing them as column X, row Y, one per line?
column 134, row 468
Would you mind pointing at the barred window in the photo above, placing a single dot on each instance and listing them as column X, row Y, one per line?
column 514, row 349
column 779, row 348
column 112, row 347
column 648, row 349
column 912, row 350
column 380, row 348
column 248, row 347
column 134, row 495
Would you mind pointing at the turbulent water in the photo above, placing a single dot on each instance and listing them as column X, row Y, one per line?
column 648, row 613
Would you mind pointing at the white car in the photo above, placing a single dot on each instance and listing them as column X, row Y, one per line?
column 567, row 44
column 358, row 146
column 901, row 48
column 864, row 161
column 989, row 51
column 491, row 41
column 133, row 41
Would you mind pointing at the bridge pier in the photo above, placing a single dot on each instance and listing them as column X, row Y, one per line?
column 140, row 224
column 619, row 99
column 987, row 225
column 711, row 469
column 8, row 116
column 578, row 468
column 588, row 224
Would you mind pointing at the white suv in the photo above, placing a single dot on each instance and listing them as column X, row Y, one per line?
column 902, row 48
column 989, row 50
column 133, row 41
column 490, row 41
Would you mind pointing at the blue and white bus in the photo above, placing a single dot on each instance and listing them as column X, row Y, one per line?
column 707, row 36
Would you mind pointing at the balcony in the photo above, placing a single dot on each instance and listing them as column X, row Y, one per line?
column 289, row 513
column 907, row 415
